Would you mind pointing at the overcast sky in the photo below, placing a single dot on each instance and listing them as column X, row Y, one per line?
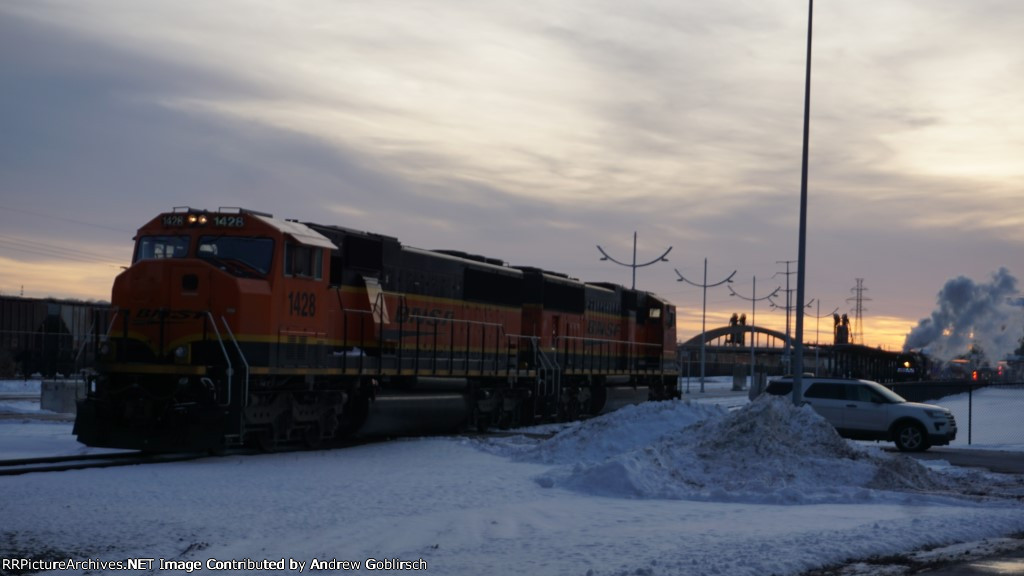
column 531, row 132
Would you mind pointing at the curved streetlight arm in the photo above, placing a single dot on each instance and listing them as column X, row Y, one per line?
column 738, row 295
column 628, row 265
column 682, row 279
column 793, row 307
column 634, row 265
column 827, row 315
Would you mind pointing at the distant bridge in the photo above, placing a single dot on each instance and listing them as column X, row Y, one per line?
column 729, row 346
column 732, row 336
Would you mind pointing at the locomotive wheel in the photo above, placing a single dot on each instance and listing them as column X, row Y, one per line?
column 354, row 415
column 266, row 440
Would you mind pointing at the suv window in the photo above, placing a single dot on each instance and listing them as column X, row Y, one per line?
column 826, row 390
column 863, row 394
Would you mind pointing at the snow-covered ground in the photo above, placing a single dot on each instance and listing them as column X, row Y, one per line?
column 714, row 485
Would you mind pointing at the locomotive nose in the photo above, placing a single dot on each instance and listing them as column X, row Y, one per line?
column 169, row 285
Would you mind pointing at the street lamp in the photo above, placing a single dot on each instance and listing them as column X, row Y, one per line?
column 704, row 314
column 634, row 265
column 798, row 393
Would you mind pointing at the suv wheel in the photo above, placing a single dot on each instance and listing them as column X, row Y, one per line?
column 910, row 437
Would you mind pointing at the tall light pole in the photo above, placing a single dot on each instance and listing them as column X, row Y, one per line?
column 704, row 314
column 634, row 265
column 753, row 318
column 798, row 394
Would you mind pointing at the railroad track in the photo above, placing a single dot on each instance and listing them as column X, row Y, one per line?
column 18, row 466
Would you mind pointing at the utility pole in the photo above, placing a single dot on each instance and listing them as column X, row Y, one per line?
column 789, row 292
column 817, row 333
column 634, row 265
column 704, row 314
column 753, row 319
column 786, row 357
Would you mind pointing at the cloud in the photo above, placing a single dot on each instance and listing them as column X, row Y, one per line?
column 532, row 133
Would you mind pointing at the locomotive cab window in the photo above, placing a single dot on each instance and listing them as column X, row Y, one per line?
column 303, row 261
column 156, row 247
column 240, row 256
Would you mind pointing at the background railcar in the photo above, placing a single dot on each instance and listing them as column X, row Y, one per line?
column 49, row 337
column 234, row 326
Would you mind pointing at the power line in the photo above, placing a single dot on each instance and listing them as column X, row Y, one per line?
column 54, row 251
column 62, row 219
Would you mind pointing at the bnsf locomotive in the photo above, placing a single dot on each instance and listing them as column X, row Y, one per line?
column 234, row 327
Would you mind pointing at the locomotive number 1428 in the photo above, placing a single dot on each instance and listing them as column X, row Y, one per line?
column 302, row 304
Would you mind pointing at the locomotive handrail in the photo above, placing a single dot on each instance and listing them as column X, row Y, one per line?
column 227, row 358
column 110, row 328
column 245, row 362
column 632, row 346
column 92, row 336
column 498, row 328
column 550, row 376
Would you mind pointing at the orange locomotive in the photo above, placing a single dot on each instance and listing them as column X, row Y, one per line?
column 234, row 327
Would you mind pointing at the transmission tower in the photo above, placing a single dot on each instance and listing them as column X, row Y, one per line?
column 857, row 337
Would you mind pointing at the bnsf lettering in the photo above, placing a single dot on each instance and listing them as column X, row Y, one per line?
column 606, row 329
column 435, row 315
column 302, row 304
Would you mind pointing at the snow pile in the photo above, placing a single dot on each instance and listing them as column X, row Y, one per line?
column 766, row 452
column 463, row 510
column 626, row 429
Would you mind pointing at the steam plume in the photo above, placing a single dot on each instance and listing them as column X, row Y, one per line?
column 986, row 315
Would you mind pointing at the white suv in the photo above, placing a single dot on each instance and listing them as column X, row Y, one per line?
column 866, row 410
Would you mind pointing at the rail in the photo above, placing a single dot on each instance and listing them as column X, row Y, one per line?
column 20, row 466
